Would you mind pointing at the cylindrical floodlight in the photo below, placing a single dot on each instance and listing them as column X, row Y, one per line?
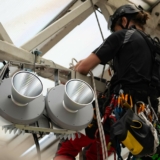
column 70, row 106
column 26, row 86
column 78, row 94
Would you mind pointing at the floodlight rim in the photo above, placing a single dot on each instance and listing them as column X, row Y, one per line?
column 87, row 85
column 29, row 73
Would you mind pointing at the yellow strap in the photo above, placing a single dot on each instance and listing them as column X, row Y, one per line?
column 132, row 144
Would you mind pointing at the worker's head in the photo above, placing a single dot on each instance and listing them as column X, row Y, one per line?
column 128, row 15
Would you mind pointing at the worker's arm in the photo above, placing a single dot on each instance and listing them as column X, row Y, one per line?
column 85, row 65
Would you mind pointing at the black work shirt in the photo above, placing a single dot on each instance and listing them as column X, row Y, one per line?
column 131, row 59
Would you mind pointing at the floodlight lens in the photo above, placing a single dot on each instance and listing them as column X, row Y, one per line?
column 78, row 94
column 26, row 86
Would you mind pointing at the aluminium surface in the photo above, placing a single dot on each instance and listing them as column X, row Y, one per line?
column 63, row 118
column 16, row 114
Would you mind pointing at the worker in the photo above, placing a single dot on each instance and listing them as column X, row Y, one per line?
column 132, row 63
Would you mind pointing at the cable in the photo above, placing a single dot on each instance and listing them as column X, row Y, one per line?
column 47, row 117
column 3, row 70
column 110, row 62
column 34, row 66
column 40, row 133
column 100, row 32
column 96, row 7
column 37, row 145
column 97, row 20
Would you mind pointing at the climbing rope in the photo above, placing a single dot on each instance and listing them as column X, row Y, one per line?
column 100, row 127
column 100, row 32
column 110, row 62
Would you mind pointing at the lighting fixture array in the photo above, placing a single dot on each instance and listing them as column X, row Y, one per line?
column 68, row 106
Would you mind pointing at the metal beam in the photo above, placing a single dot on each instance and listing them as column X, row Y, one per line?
column 53, row 40
column 106, row 9
column 4, row 35
column 10, row 52
column 44, row 67
column 58, row 25
column 116, row 3
column 61, row 13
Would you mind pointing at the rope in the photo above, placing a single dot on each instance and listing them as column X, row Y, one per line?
column 100, row 127
column 97, row 20
column 100, row 32
column 110, row 62
column 37, row 145
column 72, row 63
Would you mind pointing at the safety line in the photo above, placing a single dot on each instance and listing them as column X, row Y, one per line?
column 100, row 32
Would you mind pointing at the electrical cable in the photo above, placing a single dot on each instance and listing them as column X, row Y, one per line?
column 40, row 133
column 47, row 117
column 37, row 145
column 3, row 70
column 34, row 66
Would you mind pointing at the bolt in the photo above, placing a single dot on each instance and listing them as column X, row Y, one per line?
column 9, row 96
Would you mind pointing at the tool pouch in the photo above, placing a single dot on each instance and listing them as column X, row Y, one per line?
column 133, row 133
